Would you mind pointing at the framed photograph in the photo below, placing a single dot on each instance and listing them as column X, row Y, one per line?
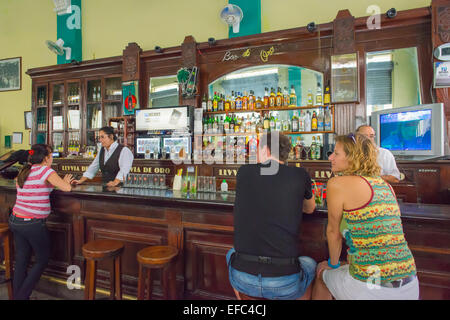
column 344, row 78
column 11, row 74
column 28, row 119
column 17, row 138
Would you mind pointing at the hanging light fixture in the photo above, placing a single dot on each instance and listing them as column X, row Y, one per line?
column 62, row 6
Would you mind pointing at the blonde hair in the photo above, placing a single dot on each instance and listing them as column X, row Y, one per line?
column 362, row 155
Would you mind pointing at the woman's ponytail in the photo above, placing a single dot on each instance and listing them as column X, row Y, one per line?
column 37, row 154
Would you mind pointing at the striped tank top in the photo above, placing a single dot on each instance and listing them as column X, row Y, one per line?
column 33, row 200
column 374, row 235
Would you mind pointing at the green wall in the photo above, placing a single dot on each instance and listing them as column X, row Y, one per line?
column 109, row 25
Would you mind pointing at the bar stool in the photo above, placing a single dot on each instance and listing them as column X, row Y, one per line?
column 98, row 250
column 157, row 257
column 5, row 234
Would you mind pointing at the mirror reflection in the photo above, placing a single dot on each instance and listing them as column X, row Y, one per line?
column 392, row 79
column 163, row 91
column 305, row 82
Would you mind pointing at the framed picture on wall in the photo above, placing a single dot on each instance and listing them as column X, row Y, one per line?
column 28, row 119
column 17, row 138
column 11, row 74
column 344, row 78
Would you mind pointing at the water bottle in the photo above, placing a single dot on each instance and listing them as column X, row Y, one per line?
column 224, row 186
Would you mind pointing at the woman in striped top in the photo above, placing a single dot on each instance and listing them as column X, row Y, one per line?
column 34, row 184
column 363, row 209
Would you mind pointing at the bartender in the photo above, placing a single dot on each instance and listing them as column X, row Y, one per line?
column 114, row 160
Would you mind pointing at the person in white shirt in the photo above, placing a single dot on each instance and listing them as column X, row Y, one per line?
column 114, row 160
column 386, row 160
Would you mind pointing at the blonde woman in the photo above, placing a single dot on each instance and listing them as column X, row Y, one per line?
column 363, row 209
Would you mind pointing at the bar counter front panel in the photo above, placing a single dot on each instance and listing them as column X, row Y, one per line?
column 201, row 226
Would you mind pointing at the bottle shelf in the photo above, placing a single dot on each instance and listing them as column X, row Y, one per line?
column 267, row 109
column 255, row 133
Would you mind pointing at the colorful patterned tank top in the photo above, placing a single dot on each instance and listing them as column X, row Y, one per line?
column 374, row 235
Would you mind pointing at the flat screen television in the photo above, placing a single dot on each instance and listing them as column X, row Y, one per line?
column 418, row 132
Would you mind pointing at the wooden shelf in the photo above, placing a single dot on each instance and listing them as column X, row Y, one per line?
column 255, row 133
column 267, row 109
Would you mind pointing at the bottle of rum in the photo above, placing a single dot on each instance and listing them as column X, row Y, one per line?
column 204, row 103
column 238, row 101
column 209, row 106
column 245, row 101
column 319, row 149
column 215, row 102
column 309, row 100
column 313, row 149
column 308, row 122
column 232, row 123
column 226, row 124
column 258, row 103
column 278, row 124
column 314, row 121
column 327, row 97
column 328, row 120
column 318, row 95
column 320, row 120
column 292, row 98
column 221, row 105
column 227, row 103
column 294, row 122
column 266, row 123
column 285, row 97
column 272, row 98
column 301, row 122
column 279, row 98
column 232, row 101
column 272, row 123
column 266, row 98
column 251, row 101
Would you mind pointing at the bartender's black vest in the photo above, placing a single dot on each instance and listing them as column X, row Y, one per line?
column 111, row 167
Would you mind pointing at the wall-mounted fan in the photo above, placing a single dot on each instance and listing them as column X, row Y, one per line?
column 57, row 47
column 232, row 15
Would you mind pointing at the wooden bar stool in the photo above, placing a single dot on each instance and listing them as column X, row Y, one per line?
column 5, row 235
column 98, row 250
column 157, row 257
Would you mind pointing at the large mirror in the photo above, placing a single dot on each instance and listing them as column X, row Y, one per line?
column 258, row 78
column 163, row 92
column 392, row 79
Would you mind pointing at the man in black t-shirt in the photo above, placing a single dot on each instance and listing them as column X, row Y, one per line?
column 270, row 199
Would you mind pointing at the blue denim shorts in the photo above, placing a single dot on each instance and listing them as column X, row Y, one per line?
column 289, row 287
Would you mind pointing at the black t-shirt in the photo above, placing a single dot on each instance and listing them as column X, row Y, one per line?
column 267, row 215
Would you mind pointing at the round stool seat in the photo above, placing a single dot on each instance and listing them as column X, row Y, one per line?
column 99, row 249
column 157, row 255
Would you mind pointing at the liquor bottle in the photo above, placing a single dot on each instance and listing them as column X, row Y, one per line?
column 245, row 101
column 328, row 120
column 204, row 103
column 205, row 125
column 309, row 100
column 285, row 97
column 253, row 125
column 319, row 149
column 272, row 123
column 313, row 148
column 209, row 106
column 320, row 120
column 237, row 125
column 279, row 98
column 232, row 101
column 258, row 103
column 266, row 98
column 251, row 101
column 210, row 125
column 215, row 102
column 292, row 98
column 318, row 95
column 266, row 123
column 301, row 122
column 314, row 122
column 227, row 103
column 327, row 97
column 278, row 124
column 272, row 98
column 260, row 126
column 238, row 101
column 226, row 124
column 298, row 149
column 294, row 122
column 242, row 125
column 286, row 126
column 215, row 125
column 308, row 122
column 232, row 123
column 221, row 104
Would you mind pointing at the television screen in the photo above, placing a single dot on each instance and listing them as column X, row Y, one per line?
column 410, row 130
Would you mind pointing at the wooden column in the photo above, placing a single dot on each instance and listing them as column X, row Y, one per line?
column 344, row 42
column 441, row 34
column 131, row 69
column 189, row 60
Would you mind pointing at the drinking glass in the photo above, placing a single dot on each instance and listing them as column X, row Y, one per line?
column 162, row 181
column 307, row 149
column 156, row 181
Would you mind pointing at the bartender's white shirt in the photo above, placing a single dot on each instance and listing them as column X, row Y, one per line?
column 125, row 162
column 387, row 163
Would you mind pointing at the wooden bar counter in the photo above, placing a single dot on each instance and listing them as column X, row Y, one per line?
column 201, row 226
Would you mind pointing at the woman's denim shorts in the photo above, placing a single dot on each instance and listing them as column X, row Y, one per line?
column 289, row 287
